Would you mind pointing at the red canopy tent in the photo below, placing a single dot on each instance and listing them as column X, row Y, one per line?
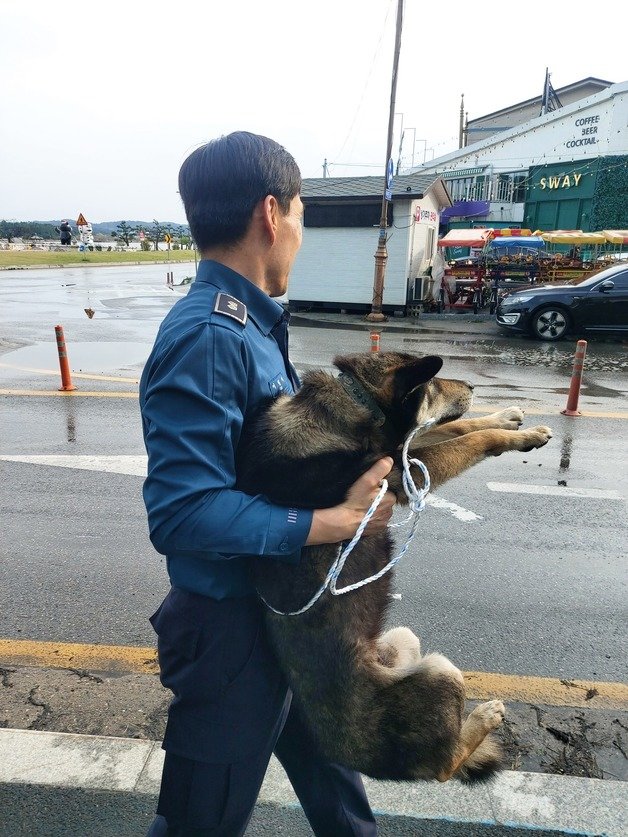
column 466, row 238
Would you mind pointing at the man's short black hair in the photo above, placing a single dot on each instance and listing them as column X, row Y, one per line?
column 222, row 182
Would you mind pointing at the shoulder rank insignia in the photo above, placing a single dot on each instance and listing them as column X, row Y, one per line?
column 231, row 306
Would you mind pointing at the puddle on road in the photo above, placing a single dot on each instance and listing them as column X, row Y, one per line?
column 87, row 357
column 600, row 357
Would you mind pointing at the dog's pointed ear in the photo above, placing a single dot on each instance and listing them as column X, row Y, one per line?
column 411, row 375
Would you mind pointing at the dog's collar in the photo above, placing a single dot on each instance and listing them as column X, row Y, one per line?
column 355, row 389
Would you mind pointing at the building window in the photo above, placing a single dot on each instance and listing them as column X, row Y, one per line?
column 345, row 214
column 469, row 188
column 504, row 188
column 519, row 188
column 511, row 188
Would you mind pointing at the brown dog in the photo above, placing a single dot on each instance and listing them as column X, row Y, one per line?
column 369, row 697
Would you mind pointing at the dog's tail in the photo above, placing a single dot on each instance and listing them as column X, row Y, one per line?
column 483, row 763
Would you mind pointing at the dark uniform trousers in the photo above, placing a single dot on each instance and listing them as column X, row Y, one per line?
column 230, row 711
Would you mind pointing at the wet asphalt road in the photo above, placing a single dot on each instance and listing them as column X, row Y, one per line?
column 536, row 584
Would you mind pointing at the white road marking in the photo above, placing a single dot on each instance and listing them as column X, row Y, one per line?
column 555, row 490
column 133, row 466
column 458, row 512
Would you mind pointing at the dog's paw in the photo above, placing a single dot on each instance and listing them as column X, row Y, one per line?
column 509, row 419
column 489, row 715
column 535, row 437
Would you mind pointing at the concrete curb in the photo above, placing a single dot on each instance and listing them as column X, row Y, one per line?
column 472, row 324
column 113, row 772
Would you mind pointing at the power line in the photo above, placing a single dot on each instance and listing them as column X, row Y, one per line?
column 368, row 78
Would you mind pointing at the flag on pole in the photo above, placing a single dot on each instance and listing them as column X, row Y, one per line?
column 549, row 99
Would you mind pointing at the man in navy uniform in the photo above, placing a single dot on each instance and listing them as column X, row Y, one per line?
column 221, row 352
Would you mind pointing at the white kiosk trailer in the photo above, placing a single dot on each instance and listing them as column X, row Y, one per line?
column 335, row 267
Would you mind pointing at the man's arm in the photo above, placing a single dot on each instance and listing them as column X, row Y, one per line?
column 193, row 396
column 341, row 522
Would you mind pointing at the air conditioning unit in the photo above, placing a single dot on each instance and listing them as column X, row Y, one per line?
column 421, row 288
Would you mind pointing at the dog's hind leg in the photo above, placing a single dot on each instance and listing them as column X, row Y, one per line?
column 399, row 648
column 476, row 757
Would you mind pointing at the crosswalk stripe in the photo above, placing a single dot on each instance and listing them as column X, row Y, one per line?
column 554, row 490
column 458, row 512
column 134, row 466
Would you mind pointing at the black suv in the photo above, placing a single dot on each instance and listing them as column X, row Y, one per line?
column 549, row 312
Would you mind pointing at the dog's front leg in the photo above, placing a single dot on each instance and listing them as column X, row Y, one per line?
column 445, row 460
column 509, row 419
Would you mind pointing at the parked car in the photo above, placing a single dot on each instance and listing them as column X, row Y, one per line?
column 549, row 312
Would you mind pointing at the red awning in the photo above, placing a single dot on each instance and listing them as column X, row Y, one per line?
column 466, row 238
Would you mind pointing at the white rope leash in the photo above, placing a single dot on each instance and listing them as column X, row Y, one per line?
column 416, row 501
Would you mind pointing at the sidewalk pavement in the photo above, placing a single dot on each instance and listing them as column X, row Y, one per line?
column 59, row 784
column 454, row 323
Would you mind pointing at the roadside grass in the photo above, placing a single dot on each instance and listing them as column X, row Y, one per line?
column 54, row 258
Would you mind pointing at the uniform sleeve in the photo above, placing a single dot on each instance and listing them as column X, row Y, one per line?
column 194, row 398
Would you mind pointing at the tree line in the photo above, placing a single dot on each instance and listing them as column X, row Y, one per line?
column 27, row 229
column 153, row 234
column 147, row 234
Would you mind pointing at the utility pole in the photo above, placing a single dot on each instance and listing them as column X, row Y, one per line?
column 381, row 254
column 325, row 168
column 461, row 128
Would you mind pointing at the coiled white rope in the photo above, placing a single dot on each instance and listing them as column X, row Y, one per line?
column 416, row 502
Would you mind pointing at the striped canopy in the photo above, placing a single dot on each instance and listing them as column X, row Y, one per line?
column 508, row 232
column 616, row 236
column 573, row 237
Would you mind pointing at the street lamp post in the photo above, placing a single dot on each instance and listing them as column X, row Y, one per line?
column 381, row 254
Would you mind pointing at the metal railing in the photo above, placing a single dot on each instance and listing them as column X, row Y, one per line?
column 486, row 189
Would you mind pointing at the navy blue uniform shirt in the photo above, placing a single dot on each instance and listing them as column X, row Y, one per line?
column 207, row 373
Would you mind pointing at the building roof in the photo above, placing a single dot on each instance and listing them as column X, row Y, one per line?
column 370, row 187
column 469, row 156
column 568, row 88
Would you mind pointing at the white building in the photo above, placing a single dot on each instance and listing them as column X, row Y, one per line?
column 550, row 172
column 335, row 266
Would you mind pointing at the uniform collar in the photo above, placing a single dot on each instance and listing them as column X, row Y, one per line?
column 261, row 308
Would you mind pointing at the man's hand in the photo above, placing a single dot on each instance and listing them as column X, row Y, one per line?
column 341, row 522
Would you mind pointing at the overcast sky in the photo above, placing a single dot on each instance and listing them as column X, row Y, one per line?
column 101, row 102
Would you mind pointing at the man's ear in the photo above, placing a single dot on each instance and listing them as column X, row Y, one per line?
column 269, row 209
column 411, row 375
